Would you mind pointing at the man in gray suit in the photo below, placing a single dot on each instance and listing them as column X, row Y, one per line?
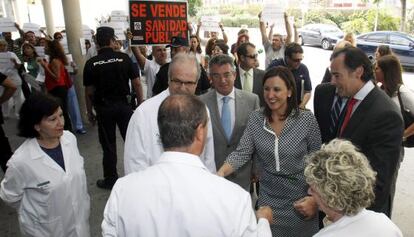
column 248, row 77
column 229, row 109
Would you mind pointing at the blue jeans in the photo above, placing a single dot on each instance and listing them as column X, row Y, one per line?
column 73, row 107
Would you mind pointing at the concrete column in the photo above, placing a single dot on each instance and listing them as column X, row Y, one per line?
column 73, row 25
column 47, row 10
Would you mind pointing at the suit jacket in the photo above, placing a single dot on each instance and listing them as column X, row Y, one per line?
column 376, row 127
column 257, row 83
column 245, row 102
column 322, row 104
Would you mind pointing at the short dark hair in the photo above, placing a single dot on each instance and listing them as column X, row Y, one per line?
column 33, row 110
column 286, row 75
column 221, row 60
column 242, row 49
column 293, row 48
column 178, row 119
column 222, row 45
column 354, row 58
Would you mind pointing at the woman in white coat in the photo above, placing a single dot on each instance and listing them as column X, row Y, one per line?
column 45, row 179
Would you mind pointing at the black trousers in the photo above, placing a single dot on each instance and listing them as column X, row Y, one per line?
column 5, row 149
column 109, row 114
column 61, row 93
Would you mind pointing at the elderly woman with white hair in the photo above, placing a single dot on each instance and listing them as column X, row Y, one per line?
column 342, row 181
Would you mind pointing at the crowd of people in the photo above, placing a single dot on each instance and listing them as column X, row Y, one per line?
column 210, row 129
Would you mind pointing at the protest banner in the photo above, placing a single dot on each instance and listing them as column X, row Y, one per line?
column 120, row 16
column 273, row 14
column 155, row 22
column 5, row 62
column 210, row 23
column 40, row 50
column 87, row 32
column 7, row 25
column 32, row 27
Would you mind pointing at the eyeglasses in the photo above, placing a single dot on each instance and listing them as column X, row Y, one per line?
column 254, row 56
column 183, row 83
column 217, row 76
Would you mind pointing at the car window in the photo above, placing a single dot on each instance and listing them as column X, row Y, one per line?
column 398, row 40
column 377, row 38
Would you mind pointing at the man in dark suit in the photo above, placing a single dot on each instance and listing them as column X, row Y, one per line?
column 240, row 104
column 248, row 77
column 372, row 121
column 324, row 102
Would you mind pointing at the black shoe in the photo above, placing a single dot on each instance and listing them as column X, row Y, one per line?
column 104, row 184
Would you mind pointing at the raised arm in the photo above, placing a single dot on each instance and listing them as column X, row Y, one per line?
column 139, row 56
column 262, row 27
column 288, row 29
column 224, row 33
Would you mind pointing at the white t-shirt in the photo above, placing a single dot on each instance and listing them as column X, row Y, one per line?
column 272, row 54
column 151, row 69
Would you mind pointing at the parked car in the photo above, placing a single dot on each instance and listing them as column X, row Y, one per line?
column 324, row 35
column 401, row 44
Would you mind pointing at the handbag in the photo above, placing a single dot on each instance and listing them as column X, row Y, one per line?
column 408, row 120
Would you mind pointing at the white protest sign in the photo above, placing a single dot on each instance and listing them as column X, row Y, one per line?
column 210, row 23
column 120, row 16
column 40, row 50
column 82, row 45
column 273, row 14
column 5, row 62
column 64, row 43
column 119, row 29
column 87, row 33
column 7, row 25
column 32, row 27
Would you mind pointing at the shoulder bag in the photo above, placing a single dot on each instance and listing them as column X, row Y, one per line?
column 408, row 120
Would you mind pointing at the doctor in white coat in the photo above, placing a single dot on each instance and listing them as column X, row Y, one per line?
column 45, row 179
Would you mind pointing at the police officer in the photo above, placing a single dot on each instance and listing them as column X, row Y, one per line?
column 106, row 79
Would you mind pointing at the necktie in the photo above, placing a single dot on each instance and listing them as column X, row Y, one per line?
column 335, row 112
column 247, row 83
column 349, row 108
column 226, row 117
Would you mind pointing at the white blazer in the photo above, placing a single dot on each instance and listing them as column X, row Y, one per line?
column 49, row 201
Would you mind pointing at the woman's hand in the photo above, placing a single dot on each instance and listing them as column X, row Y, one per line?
column 265, row 212
column 306, row 206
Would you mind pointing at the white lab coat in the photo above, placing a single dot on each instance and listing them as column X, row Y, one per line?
column 49, row 201
column 178, row 197
column 143, row 144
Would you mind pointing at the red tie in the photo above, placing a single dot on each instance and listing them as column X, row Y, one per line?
column 348, row 114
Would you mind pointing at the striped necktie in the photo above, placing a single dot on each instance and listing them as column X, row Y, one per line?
column 335, row 113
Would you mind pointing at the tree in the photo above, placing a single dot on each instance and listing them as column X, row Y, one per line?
column 403, row 14
column 193, row 5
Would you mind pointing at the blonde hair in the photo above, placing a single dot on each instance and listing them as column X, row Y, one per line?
column 341, row 176
column 350, row 37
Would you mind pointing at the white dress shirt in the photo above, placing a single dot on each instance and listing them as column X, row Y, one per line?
column 232, row 105
column 365, row 223
column 362, row 93
column 142, row 142
column 178, row 197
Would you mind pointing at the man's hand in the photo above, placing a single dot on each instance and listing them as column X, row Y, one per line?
column 306, row 206
column 265, row 212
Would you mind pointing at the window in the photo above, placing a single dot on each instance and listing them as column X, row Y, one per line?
column 398, row 40
column 377, row 38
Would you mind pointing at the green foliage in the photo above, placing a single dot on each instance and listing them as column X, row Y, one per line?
column 193, row 6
